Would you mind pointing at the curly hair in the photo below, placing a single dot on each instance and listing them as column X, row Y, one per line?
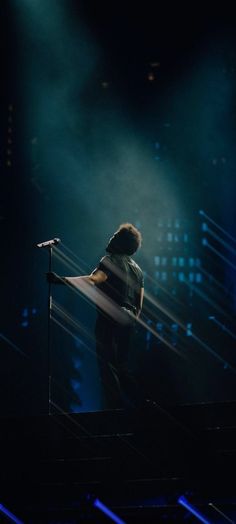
column 126, row 240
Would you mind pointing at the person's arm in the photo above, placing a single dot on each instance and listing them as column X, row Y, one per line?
column 95, row 278
column 140, row 301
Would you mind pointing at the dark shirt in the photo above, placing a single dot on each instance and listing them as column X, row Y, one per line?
column 124, row 280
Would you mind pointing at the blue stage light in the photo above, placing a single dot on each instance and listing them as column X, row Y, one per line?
column 98, row 504
column 9, row 514
column 184, row 502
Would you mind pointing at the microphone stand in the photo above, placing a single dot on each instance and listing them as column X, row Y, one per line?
column 49, row 331
column 49, row 246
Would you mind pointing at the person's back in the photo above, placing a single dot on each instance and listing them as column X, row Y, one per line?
column 123, row 285
column 124, row 280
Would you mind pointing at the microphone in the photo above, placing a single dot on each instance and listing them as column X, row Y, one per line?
column 49, row 243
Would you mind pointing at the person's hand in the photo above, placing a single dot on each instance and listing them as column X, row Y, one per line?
column 53, row 278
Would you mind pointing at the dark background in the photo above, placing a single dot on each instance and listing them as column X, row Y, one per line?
column 115, row 113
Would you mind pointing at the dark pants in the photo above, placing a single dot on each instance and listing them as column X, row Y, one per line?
column 113, row 342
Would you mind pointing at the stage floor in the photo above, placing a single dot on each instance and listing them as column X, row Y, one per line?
column 137, row 462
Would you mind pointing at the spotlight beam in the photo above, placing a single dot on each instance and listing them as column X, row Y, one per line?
column 11, row 344
column 227, row 519
column 220, row 240
column 216, row 252
column 202, row 213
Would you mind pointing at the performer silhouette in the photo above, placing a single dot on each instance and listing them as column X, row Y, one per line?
column 119, row 280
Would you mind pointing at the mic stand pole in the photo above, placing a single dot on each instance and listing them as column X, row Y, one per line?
column 49, row 245
column 49, row 331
